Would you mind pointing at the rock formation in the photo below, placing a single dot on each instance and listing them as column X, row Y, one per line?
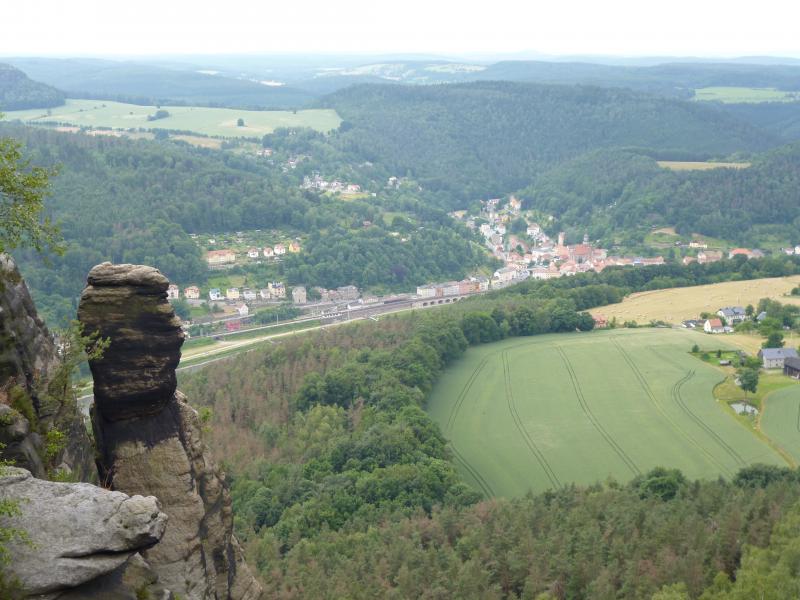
column 148, row 437
column 28, row 359
column 76, row 532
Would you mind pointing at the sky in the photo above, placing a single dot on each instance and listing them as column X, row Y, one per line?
column 556, row 27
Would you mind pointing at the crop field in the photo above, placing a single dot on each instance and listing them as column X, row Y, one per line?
column 745, row 95
column 681, row 165
column 546, row 411
column 219, row 122
column 674, row 305
column 781, row 420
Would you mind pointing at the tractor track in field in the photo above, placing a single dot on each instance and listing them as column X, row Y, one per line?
column 482, row 483
column 535, row 451
column 678, row 397
column 649, row 393
column 451, row 418
column 592, row 418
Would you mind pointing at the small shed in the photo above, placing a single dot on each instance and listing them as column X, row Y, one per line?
column 791, row 367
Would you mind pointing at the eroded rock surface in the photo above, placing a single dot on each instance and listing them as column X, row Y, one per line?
column 149, row 439
column 128, row 304
column 28, row 359
column 76, row 532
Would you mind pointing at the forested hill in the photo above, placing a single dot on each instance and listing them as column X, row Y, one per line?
column 607, row 192
column 18, row 92
column 491, row 137
column 149, row 84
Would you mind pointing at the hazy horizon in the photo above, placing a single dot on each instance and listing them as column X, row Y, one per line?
column 620, row 29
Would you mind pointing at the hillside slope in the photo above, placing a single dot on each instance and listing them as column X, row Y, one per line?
column 148, row 84
column 490, row 137
column 18, row 91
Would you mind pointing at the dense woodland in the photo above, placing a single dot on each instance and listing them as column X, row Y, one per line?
column 342, row 484
column 610, row 192
column 485, row 138
column 137, row 202
column 18, row 92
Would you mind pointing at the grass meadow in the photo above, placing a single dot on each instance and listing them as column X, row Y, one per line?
column 674, row 305
column 745, row 95
column 781, row 419
column 215, row 122
column 547, row 411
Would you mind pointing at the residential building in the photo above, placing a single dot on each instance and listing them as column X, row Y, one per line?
column 264, row 294
column 215, row 294
column 791, row 367
column 253, row 253
column 232, row 294
column 220, row 257
column 173, row 292
column 268, row 252
column 514, row 205
column 708, row 256
column 687, row 260
column 345, row 293
column 550, row 272
column 279, row 249
column 299, row 294
column 294, row 247
column 700, row 244
column 276, row 289
column 600, row 322
column 243, row 310
column 713, row 326
column 248, row 295
column 451, row 288
column 533, row 230
column 192, row 292
column 732, row 314
column 740, row 252
column 426, row 291
column 774, row 358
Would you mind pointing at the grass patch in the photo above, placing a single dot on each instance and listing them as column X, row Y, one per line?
column 744, row 95
column 544, row 412
column 680, row 165
column 217, row 122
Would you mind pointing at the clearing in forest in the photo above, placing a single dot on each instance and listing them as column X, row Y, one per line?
column 543, row 412
column 219, row 122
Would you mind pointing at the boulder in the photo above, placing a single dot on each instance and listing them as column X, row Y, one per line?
column 76, row 532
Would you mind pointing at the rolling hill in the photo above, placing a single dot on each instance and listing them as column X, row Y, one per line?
column 18, row 91
column 485, row 138
column 149, row 84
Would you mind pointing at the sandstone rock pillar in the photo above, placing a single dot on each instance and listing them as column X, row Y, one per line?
column 148, row 437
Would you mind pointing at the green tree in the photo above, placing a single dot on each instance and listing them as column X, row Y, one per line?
column 774, row 340
column 748, row 380
column 22, row 192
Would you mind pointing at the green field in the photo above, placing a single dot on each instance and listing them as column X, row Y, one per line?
column 781, row 420
column 543, row 412
column 745, row 94
column 219, row 122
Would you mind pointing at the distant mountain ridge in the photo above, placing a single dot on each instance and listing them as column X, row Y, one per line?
column 19, row 92
column 473, row 139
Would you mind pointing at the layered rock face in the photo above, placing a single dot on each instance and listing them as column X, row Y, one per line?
column 148, row 437
column 28, row 359
column 76, row 532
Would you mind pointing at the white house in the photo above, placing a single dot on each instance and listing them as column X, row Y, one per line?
column 253, row 253
column 279, row 249
column 773, row 358
column 268, row 252
column 426, row 291
column 299, row 295
column 713, row 326
column 173, row 292
column 243, row 310
column 248, row 295
column 214, row 294
column 732, row 314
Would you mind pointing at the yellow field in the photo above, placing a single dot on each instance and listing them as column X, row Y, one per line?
column 678, row 165
column 674, row 305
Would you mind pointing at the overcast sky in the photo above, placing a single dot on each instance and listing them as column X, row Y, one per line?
column 611, row 27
